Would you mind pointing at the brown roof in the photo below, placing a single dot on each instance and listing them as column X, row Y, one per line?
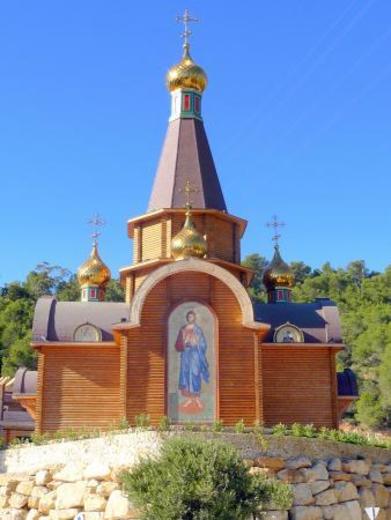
column 186, row 156
column 57, row 321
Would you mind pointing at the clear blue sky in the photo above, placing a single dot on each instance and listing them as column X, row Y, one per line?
column 298, row 114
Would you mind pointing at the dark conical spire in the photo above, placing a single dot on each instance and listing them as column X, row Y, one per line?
column 186, row 155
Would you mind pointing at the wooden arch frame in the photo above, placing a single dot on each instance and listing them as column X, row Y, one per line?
column 199, row 266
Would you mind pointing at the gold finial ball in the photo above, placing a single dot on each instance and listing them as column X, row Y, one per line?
column 188, row 242
column 186, row 74
column 94, row 271
column 278, row 273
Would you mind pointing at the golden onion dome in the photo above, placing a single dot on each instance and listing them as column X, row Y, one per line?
column 94, row 271
column 186, row 74
column 188, row 242
column 278, row 273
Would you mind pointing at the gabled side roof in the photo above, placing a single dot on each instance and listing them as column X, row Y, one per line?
column 319, row 320
column 57, row 321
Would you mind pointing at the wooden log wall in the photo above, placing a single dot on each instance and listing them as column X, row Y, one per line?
column 298, row 385
column 81, row 387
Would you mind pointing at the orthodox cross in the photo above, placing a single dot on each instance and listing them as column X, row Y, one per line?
column 275, row 224
column 96, row 222
column 188, row 190
column 186, row 19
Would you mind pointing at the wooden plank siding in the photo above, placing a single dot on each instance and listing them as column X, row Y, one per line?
column 151, row 241
column 147, row 345
column 81, row 387
column 236, row 359
column 297, row 385
column 40, row 387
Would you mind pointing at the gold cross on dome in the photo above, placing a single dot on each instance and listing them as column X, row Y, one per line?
column 96, row 222
column 186, row 19
column 275, row 224
column 188, row 189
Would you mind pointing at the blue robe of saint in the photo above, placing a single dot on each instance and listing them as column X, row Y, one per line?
column 194, row 368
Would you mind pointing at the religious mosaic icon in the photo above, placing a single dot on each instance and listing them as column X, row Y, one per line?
column 191, row 364
column 288, row 333
column 87, row 333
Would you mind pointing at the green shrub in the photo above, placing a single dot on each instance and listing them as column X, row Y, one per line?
column 142, row 421
column 217, row 426
column 280, row 430
column 123, row 424
column 197, row 479
column 40, row 438
column 240, row 427
column 189, row 426
column 308, row 430
column 296, row 430
column 164, row 424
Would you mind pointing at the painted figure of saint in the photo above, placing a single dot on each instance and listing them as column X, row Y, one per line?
column 194, row 368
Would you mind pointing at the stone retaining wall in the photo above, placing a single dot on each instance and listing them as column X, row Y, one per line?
column 326, row 487
column 127, row 448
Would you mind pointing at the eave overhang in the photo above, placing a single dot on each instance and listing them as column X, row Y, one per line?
column 132, row 223
column 337, row 347
column 75, row 344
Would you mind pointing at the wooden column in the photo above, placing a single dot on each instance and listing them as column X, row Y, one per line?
column 123, row 373
column 40, row 388
column 257, row 388
column 333, row 388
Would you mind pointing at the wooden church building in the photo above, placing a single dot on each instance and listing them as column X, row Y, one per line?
column 187, row 342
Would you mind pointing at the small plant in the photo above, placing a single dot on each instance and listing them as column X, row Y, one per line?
column 261, row 440
column 184, row 483
column 323, row 433
column 71, row 434
column 123, row 424
column 189, row 426
column 142, row 421
column 309, row 431
column 16, row 442
column 280, row 429
column 164, row 424
column 240, row 427
column 296, row 430
column 303, row 430
column 40, row 438
column 217, row 426
column 258, row 427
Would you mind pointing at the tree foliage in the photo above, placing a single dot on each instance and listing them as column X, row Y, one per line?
column 197, row 479
column 364, row 299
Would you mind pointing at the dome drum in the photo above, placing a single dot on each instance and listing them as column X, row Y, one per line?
column 278, row 278
column 93, row 277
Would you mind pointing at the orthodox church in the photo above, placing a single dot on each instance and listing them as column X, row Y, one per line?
column 187, row 342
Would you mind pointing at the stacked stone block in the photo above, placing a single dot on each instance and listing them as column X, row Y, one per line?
column 323, row 489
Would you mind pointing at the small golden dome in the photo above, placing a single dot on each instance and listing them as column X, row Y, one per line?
column 186, row 74
column 93, row 271
column 188, row 242
column 278, row 273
